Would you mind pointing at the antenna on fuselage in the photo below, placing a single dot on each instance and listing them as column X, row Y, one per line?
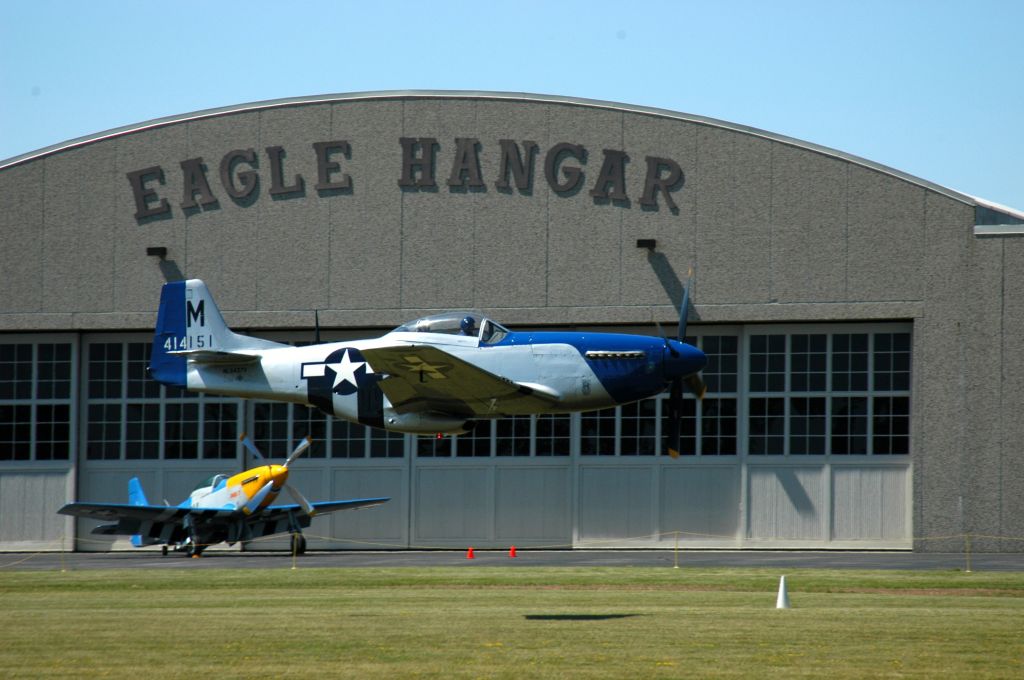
column 316, row 322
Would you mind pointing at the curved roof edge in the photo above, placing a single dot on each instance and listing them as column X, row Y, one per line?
column 1014, row 216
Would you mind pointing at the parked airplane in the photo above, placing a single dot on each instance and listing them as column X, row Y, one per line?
column 436, row 375
column 222, row 508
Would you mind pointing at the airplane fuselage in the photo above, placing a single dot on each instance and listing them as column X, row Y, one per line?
column 586, row 371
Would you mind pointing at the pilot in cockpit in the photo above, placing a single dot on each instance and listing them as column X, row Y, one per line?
column 468, row 326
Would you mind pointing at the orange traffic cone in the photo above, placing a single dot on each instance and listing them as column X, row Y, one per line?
column 512, row 551
column 470, row 555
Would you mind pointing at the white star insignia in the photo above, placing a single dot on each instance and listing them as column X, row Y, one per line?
column 345, row 370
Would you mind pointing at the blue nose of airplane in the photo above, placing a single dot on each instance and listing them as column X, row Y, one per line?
column 680, row 360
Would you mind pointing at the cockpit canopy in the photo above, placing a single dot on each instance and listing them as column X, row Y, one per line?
column 472, row 324
column 211, row 482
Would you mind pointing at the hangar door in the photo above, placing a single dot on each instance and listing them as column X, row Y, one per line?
column 802, row 441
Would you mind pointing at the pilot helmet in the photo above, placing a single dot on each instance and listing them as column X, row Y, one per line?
column 468, row 325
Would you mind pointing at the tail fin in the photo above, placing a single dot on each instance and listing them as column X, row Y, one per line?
column 189, row 325
column 136, row 496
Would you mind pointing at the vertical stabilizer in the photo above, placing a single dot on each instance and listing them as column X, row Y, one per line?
column 136, row 496
column 189, row 324
column 169, row 333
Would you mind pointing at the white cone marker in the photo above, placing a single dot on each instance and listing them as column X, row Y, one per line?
column 782, row 602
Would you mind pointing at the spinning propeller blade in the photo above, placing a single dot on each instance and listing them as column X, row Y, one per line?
column 303, row 445
column 693, row 382
column 247, row 443
column 307, row 507
column 253, row 503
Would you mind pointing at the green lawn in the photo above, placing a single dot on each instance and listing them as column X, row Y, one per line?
column 501, row 622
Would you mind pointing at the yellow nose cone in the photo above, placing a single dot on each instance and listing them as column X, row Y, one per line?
column 278, row 475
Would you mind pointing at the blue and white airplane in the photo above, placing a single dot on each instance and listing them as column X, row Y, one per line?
column 227, row 508
column 436, row 375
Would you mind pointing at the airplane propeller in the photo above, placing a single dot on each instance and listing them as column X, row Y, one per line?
column 255, row 501
column 693, row 382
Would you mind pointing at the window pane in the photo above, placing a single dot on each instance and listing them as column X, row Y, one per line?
column 849, row 362
column 385, row 444
column 181, row 432
column 639, row 428
column 15, row 432
column 767, row 426
column 807, row 422
column 220, row 431
column 767, row 363
column 553, row 435
column 142, row 431
column 140, row 385
column 54, row 371
column 476, row 443
column 809, row 363
column 433, row 447
column 891, row 422
column 16, row 371
column 718, row 427
column 103, row 432
column 892, row 362
column 312, row 423
column 348, row 440
column 597, row 436
column 105, row 370
column 722, row 352
column 513, row 436
column 53, row 432
column 849, row 425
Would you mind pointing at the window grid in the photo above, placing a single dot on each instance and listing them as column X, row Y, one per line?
column 131, row 416
column 866, row 376
column 35, row 401
column 512, row 436
column 598, row 432
column 639, row 428
column 553, row 435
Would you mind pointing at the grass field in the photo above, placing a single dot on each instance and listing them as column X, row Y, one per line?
column 498, row 622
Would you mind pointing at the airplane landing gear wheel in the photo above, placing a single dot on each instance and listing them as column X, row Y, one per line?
column 163, row 550
column 298, row 544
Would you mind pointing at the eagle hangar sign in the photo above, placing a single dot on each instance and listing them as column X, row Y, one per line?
column 564, row 172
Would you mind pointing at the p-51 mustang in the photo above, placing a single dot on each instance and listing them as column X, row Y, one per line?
column 223, row 508
column 436, row 375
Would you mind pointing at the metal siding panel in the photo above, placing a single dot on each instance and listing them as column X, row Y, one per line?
column 785, row 504
column 382, row 526
column 702, row 503
column 533, row 504
column 29, row 502
column 615, row 504
column 452, row 504
column 869, row 503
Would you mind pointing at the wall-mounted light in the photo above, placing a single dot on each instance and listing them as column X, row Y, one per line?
column 648, row 243
column 157, row 251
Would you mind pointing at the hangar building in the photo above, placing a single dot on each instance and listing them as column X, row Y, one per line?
column 865, row 328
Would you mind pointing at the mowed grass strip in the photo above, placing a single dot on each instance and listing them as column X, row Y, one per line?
column 501, row 622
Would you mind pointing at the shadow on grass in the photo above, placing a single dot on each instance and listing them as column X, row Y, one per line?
column 576, row 617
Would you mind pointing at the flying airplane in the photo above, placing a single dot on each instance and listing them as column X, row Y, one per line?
column 436, row 375
column 222, row 508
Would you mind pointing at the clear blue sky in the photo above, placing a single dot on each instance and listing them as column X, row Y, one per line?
column 931, row 87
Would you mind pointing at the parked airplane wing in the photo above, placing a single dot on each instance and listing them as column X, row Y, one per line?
column 426, row 378
column 155, row 513
column 275, row 512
